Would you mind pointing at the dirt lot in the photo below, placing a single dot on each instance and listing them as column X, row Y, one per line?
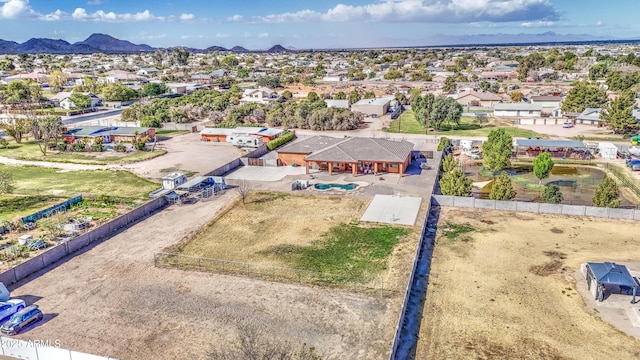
column 185, row 153
column 507, row 290
column 111, row 300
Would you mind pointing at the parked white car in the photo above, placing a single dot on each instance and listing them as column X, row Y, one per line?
column 10, row 307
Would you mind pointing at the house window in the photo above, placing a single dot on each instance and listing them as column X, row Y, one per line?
column 336, row 164
column 530, row 111
column 393, row 166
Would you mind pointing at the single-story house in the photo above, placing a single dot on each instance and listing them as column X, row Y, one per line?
column 295, row 152
column 517, row 109
column 63, row 99
column 340, row 104
column 377, row 106
column 108, row 134
column 262, row 95
column 222, row 134
column 147, row 71
column 548, row 102
column 471, row 98
column 354, row 155
column 589, row 116
column 499, row 75
column 183, row 88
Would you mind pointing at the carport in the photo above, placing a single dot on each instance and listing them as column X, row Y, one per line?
column 601, row 275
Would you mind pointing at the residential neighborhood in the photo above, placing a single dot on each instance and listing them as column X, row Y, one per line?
column 383, row 203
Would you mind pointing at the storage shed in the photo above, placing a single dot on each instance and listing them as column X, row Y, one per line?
column 608, row 150
column 609, row 277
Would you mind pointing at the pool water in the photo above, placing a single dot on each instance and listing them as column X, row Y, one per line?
column 350, row 186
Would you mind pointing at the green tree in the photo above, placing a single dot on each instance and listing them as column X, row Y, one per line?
column 599, row 71
column 49, row 128
column 340, row 95
column 422, row 106
column 151, row 121
column 449, row 163
column 607, row 194
column 369, row 95
column 450, row 85
column 118, row 92
column 7, row 184
column 154, row 89
column 583, row 96
column 516, row 96
column 552, row 194
column 446, row 110
column 393, row 74
column 313, row 96
column 57, row 79
column 18, row 128
column 618, row 114
column 496, row 151
column 180, row 55
column 619, row 81
column 354, row 97
column 80, row 100
column 542, row 166
column 455, row 183
column 502, row 188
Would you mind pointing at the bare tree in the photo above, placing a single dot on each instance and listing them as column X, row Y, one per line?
column 253, row 343
column 48, row 128
column 243, row 190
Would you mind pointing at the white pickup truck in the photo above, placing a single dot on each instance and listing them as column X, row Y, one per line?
column 634, row 150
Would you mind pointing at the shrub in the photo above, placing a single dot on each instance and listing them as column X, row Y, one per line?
column 281, row 140
column 445, row 144
column 96, row 147
column 120, row 148
column 502, row 188
column 78, row 147
column 607, row 194
column 62, row 147
column 552, row 194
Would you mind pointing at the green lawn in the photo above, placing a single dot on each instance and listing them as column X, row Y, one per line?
column 36, row 180
column 18, row 206
column 407, row 124
column 350, row 250
column 30, row 150
column 170, row 133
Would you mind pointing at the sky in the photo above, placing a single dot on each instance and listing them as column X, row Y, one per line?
column 318, row 24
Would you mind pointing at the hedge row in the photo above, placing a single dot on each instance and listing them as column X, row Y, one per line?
column 281, row 140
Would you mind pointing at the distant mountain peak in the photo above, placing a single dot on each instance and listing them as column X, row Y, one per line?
column 239, row 49
column 277, row 49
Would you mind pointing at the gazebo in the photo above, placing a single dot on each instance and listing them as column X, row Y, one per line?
column 607, row 273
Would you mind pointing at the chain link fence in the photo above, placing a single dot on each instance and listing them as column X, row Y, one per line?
column 274, row 273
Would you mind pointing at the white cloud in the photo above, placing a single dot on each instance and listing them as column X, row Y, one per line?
column 13, row 9
column 16, row 9
column 531, row 24
column 235, row 18
column 263, row 35
column 187, row 17
column 223, row 36
column 440, row 11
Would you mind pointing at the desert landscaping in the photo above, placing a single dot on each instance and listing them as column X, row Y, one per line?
column 505, row 283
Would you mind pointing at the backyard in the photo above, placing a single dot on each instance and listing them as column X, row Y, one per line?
column 502, row 286
column 576, row 181
column 468, row 126
column 314, row 233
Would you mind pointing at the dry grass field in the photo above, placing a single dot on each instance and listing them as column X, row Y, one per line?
column 506, row 290
column 268, row 221
column 316, row 233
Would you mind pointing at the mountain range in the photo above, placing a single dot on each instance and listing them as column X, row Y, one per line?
column 97, row 43
column 101, row 43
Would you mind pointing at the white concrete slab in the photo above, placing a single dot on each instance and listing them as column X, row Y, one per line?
column 391, row 209
column 264, row 173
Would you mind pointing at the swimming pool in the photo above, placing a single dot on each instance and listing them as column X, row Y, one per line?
column 345, row 187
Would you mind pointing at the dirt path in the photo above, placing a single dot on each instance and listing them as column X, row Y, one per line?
column 112, row 300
